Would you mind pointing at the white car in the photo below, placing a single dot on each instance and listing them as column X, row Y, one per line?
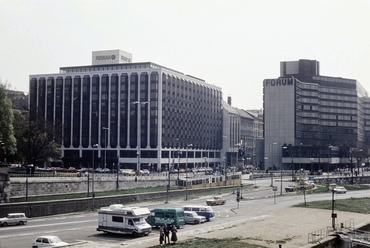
column 340, row 190
column 48, row 241
column 193, row 217
column 144, row 172
column 14, row 219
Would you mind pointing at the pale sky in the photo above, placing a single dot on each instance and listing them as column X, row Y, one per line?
column 232, row 44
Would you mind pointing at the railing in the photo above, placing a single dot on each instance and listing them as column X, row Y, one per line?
column 322, row 233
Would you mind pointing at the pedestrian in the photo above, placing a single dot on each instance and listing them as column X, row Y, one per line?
column 161, row 235
column 166, row 230
column 174, row 235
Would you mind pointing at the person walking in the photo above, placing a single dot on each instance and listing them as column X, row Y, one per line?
column 161, row 235
column 174, row 234
column 166, row 230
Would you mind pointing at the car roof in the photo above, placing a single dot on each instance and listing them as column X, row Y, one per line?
column 190, row 212
column 48, row 236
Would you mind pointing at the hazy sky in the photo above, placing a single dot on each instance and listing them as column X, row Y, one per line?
column 231, row 44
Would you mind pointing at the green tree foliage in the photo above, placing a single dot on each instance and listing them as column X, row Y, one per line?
column 36, row 139
column 7, row 139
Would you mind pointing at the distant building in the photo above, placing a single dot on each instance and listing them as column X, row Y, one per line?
column 138, row 114
column 242, row 130
column 19, row 99
column 317, row 117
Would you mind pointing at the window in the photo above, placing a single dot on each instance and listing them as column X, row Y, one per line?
column 117, row 219
column 169, row 215
column 160, row 215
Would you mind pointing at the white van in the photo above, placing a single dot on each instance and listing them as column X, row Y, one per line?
column 124, row 220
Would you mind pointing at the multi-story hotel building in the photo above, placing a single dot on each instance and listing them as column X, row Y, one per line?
column 312, row 120
column 139, row 115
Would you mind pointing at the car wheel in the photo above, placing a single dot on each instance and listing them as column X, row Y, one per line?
column 5, row 224
column 196, row 222
column 21, row 223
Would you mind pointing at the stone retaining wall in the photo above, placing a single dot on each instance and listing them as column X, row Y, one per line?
column 36, row 209
column 68, row 185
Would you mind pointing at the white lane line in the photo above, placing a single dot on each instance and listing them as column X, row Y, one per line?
column 33, row 234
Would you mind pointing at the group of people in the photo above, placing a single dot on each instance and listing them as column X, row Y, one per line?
column 164, row 234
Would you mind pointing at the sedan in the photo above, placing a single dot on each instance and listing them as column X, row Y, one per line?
column 48, row 241
column 340, row 190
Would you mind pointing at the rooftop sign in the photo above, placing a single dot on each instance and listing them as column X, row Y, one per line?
column 111, row 57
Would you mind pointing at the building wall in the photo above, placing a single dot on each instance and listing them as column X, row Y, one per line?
column 130, row 109
column 303, row 108
column 279, row 118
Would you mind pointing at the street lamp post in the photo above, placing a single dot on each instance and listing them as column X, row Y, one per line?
column 138, row 134
column 225, row 172
column 29, row 169
column 105, row 146
column 285, row 147
column 118, row 170
column 333, row 215
column 93, row 171
column 351, row 155
column 358, row 162
column 169, row 176
column 329, row 159
column 272, row 161
column 237, row 157
column 186, row 169
column 236, row 165
column 300, row 150
column 168, row 171
column 178, row 166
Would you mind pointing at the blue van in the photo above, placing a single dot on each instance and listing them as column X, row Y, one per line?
column 205, row 211
column 170, row 216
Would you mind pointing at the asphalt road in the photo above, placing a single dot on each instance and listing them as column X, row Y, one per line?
column 76, row 227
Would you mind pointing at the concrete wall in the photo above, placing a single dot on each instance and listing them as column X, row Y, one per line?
column 67, row 185
column 35, row 209
column 37, row 186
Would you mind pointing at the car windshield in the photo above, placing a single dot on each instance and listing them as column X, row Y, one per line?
column 54, row 240
column 140, row 223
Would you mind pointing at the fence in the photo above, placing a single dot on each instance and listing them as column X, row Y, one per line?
column 322, row 233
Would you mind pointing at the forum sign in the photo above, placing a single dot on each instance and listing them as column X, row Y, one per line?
column 111, row 57
column 278, row 82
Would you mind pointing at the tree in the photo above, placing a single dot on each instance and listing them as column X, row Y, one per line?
column 36, row 139
column 7, row 139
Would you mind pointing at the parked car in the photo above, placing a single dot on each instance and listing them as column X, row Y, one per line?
column 340, row 190
column 289, row 188
column 216, row 200
column 48, row 241
column 173, row 171
column 193, row 217
column 145, row 172
column 128, row 172
column 14, row 219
